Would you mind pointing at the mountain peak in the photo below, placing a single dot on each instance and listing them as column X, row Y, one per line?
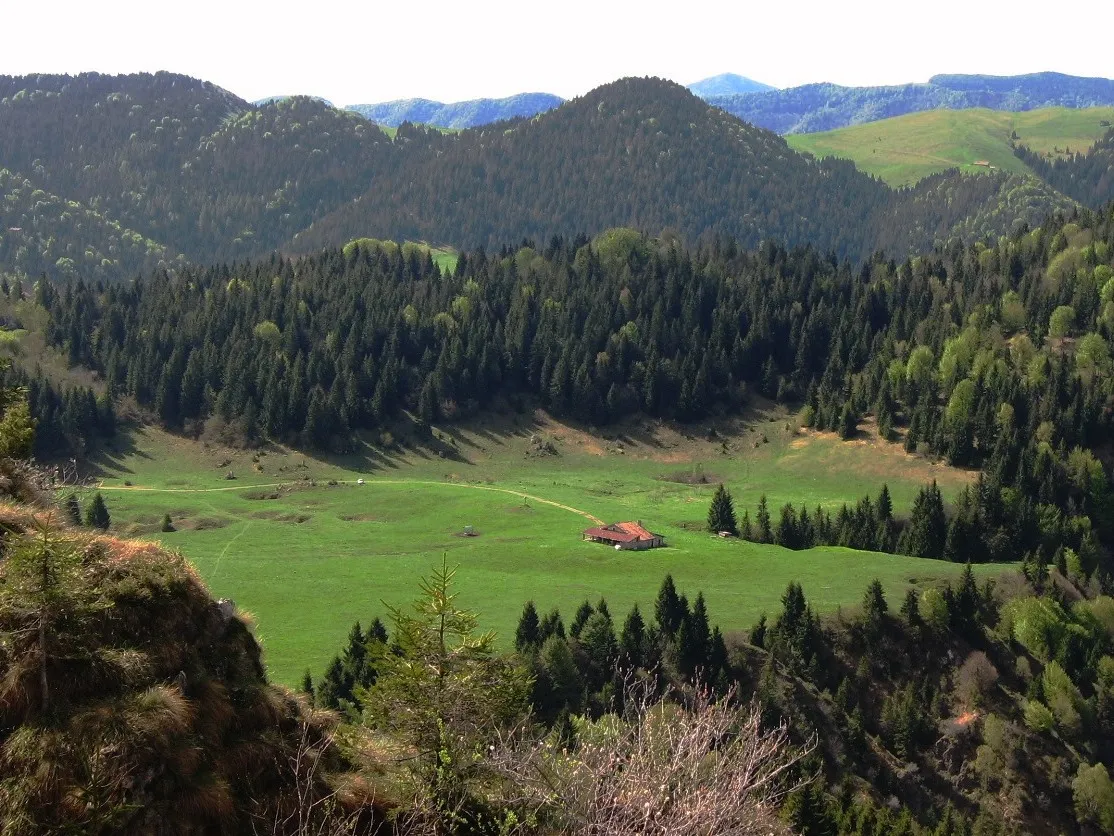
column 726, row 84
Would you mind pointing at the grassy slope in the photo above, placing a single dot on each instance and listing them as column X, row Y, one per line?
column 313, row 560
column 906, row 149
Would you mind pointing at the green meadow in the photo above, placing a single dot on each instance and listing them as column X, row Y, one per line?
column 905, row 149
column 307, row 558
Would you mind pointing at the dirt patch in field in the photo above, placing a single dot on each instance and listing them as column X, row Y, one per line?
column 297, row 519
column 690, row 477
column 202, row 524
column 260, row 495
column 673, row 458
column 518, row 509
column 360, row 518
column 885, row 460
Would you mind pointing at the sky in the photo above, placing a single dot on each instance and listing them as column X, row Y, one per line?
column 371, row 51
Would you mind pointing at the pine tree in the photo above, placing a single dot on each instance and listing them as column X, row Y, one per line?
column 167, row 524
column 721, row 513
column 552, row 625
column 911, row 608
column 632, row 639
column 668, row 609
column 874, row 608
column 45, row 588
column 96, row 514
column 885, row 506
column 765, row 534
column 528, row 634
column 758, row 632
column 848, row 422
column 583, row 613
column 73, row 509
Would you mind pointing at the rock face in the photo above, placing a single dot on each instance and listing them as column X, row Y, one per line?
column 160, row 718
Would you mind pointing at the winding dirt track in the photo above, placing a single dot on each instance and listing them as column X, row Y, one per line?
column 508, row 491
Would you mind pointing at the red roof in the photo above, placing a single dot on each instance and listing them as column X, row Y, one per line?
column 624, row 532
column 636, row 529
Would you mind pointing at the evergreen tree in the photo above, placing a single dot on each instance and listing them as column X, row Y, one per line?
column 632, row 639
column 528, row 634
column 552, row 625
column 72, row 509
column 874, row 608
column 721, row 513
column 96, row 513
column 928, row 527
column 583, row 613
column 910, row 608
column 669, row 612
column 884, row 506
column 765, row 534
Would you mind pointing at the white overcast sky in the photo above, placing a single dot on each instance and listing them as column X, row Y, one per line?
column 387, row 49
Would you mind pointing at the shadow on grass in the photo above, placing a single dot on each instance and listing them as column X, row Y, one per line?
column 107, row 457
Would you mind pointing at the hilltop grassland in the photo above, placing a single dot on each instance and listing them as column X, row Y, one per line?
column 906, row 149
column 308, row 557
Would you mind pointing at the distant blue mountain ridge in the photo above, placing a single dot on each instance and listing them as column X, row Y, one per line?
column 823, row 107
column 805, row 109
column 469, row 114
column 728, row 84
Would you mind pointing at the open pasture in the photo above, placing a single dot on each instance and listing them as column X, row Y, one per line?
column 307, row 558
column 905, row 149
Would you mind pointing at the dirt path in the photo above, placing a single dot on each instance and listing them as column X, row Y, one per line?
column 508, row 491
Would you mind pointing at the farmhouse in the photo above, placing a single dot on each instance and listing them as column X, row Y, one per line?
column 624, row 535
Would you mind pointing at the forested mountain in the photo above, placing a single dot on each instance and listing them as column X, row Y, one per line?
column 727, row 84
column 135, row 172
column 1088, row 178
column 647, row 153
column 185, row 164
column 468, row 114
column 823, row 107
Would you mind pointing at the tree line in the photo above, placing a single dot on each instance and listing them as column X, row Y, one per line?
column 993, row 356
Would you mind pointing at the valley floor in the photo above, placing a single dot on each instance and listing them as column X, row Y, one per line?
column 308, row 549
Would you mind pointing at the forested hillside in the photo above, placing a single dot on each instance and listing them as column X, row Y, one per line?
column 1086, row 177
column 144, row 171
column 996, row 357
column 648, row 154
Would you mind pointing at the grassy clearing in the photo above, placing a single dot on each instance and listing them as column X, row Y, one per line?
column 908, row 148
column 308, row 558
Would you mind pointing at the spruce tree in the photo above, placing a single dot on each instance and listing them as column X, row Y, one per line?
column 721, row 513
column 668, row 609
column 911, row 608
column 96, row 514
column 583, row 613
column 874, row 607
column 527, row 635
column 885, row 506
column 632, row 639
column 73, row 509
column 765, row 533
